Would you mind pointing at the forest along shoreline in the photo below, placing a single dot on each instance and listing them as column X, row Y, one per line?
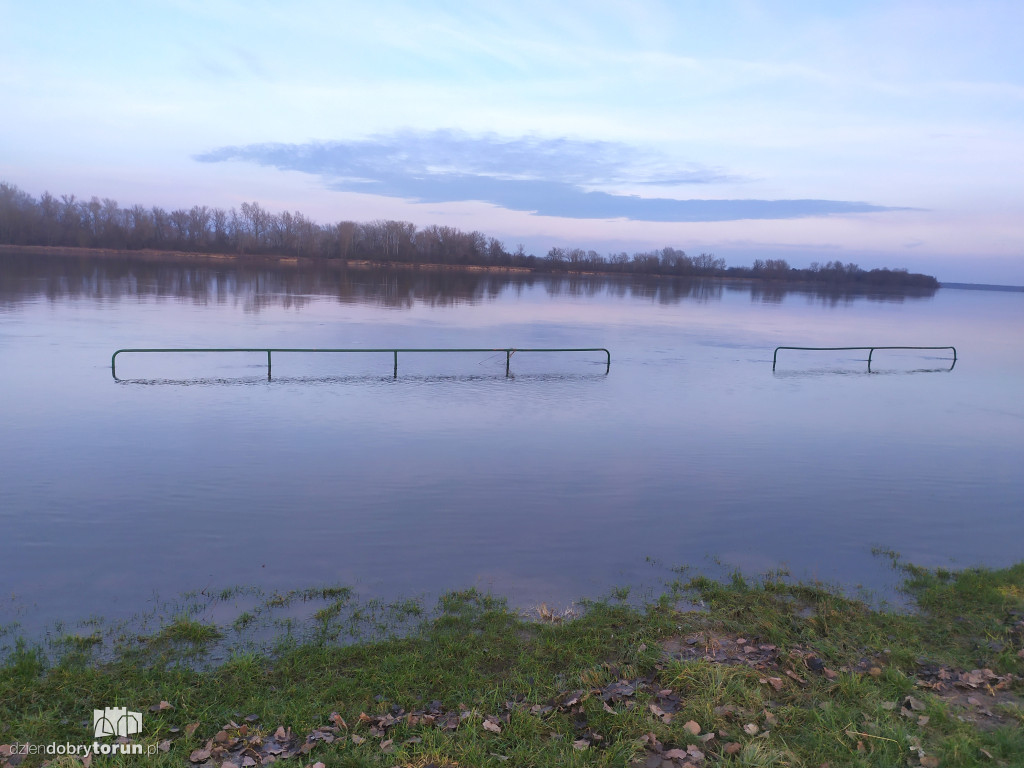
column 248, row 259
column 171, row 257
column 103, row 226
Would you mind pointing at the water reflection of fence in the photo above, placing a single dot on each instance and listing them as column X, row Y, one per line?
column 871, row 351
column 509, row 351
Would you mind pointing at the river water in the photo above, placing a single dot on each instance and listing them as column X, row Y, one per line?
column 562, row 480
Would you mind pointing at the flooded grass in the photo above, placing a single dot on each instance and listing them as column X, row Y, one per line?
column 750, row 672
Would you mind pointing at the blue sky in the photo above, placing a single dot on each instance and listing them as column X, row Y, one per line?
column 883, row 133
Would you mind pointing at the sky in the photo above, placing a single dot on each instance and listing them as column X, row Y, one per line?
column 887, row 134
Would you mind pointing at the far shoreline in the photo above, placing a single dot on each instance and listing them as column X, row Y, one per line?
column 253, row 259
column 259, row 259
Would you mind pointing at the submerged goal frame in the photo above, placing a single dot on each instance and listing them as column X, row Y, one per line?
column 871, row 351
column 509, row 351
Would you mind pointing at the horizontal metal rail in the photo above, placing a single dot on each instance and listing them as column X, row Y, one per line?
column 871, row 351
column 509, row 351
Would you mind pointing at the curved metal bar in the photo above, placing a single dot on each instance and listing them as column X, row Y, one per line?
column 509, row 351
column 871, row 351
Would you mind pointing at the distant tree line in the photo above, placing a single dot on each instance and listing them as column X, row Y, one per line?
column 251, row 229
column 836, row 273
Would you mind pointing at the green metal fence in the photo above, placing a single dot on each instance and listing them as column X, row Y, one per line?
column 871, row 351
column 509, row 351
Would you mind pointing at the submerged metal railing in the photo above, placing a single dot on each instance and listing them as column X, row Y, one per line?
column 509, row 351
column 871, row 351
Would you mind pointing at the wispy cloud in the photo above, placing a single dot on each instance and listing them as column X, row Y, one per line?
column 561, row 177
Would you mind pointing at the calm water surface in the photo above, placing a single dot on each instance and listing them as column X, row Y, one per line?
column 560, row 481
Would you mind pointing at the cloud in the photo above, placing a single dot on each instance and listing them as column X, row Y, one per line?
column 550, row 177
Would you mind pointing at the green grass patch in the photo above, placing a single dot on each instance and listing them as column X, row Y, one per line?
column 767, row 673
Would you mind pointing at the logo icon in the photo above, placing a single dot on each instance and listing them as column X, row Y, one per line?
column 116, row 721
